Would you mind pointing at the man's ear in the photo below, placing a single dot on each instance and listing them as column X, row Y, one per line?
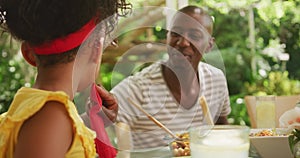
column 28, row 53
column 211, row 43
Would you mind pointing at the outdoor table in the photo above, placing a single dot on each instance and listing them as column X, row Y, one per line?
column 164, row 152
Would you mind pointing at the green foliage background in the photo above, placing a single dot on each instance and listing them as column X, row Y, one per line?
column 15, row 73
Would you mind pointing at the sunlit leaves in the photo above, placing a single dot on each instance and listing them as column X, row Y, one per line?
column 269, row 11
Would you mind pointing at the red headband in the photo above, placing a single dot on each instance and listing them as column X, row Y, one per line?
column 66, row 43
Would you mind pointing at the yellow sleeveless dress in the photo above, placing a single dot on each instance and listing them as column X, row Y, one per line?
column 26, row 103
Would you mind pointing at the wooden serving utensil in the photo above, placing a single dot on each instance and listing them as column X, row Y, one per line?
column 159, row 124
column 206, row 112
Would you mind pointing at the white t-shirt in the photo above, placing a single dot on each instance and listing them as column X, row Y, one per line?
column 148, row 89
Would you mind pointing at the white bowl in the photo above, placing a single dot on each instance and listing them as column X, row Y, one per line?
column 272, row 146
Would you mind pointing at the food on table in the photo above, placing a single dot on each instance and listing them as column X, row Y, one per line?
column 181, row 147
column 266, row 132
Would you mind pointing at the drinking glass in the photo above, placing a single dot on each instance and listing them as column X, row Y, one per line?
column 226, row 141
column 265, row 112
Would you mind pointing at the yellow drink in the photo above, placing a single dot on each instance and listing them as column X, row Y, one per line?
column 265, row 112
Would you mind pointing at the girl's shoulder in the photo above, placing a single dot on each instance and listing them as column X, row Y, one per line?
column 28, row 101
column 54, row 113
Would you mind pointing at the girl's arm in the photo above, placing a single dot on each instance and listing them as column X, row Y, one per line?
column 46, row 134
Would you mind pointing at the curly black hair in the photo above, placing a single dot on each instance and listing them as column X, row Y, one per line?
column 40, row 21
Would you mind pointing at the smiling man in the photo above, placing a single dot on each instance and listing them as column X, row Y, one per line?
column 170, row 90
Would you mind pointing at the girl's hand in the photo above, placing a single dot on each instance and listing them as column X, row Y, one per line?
column 110, row 106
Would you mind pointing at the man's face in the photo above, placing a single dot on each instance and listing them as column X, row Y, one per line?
column 187, row 40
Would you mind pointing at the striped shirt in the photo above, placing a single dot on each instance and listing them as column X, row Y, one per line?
column 148, row 89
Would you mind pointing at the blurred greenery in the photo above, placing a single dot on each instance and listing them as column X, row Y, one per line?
column 15, row 73
column 276, row 83
column 253, row 66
